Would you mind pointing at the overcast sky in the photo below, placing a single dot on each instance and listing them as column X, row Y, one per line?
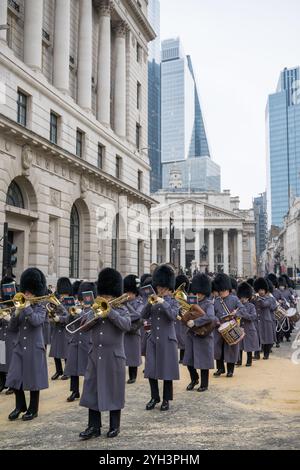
column 238, row 48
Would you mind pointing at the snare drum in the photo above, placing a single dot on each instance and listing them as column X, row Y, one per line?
column 280, row 314
column 293, row 315
column 231, row 332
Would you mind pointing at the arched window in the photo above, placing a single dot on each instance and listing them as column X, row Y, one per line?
column 14, row 196
column 74, row 243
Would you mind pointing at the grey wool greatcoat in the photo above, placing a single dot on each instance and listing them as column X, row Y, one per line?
column 231, row 353
column 47, row 330
column 132, row 341
column 79, row 345
column 251, row 341
column 265, row 307
column 199, row 351
column 104, row 381
column 9, row 337
column 28, row 366
column 181, row 331
column 58, row 348
column 162, row 349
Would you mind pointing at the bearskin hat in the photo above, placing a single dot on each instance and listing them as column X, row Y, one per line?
column 282, row 281
column 273, row 279
column 110, row 282
column 33, row 281
column 201, row 284
column 143, row 277
column 250, row 281
column 260, row 283
column 289, row 282
column 75, row 287
column 234, row 283
column 213, row 286
column 222, row 282
column 164, row 276
column 147, row 281
column 132, row 284
column 182, row 279
column 270, row 285
column 64, row 286
column 244, row 290
column 86, row 286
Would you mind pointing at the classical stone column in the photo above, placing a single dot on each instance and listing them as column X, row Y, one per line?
column 61, row 51
column 33, row 25
column 120, row 81
column 225, row 251
column 84, row 71
column 182, row 250
column 211, row 251
column 154, row 246
column 104, row 65
column 240, row 263
column 167, row 248
column 3, row 20
column 197, row 247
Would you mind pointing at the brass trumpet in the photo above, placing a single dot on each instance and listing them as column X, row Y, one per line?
column 154, row 299
column 4, row 312
column 20, row 300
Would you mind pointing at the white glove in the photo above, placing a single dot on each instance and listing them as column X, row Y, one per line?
column 160, row 300
column 190, row 323
column 56, row 318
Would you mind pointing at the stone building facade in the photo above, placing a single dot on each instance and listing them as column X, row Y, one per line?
column 74, row 171
column 205, row 231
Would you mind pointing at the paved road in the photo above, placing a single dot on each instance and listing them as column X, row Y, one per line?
column 258, row 409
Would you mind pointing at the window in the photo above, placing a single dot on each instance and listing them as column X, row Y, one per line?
column 138, row 53
column 138, row 136
column 22, row 108
column 114, row 243
column 140, row 257
column 14, row 196
column 101, row 154
column 138, row 95
column 118, row 167
column 53, row 127
column 74, row 243
column 79, row 143
column 140, row 180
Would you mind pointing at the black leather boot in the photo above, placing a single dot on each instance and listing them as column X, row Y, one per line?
column 164, row 406
column 192, row 385
column 152, row 403
column 74, row 396
column 89, row 433
column 15, row 414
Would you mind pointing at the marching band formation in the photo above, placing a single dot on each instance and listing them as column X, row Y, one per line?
column 97, row 329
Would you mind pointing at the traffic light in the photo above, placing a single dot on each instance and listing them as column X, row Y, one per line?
column 12, row 251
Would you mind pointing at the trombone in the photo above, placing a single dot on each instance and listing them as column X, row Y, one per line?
column 19, row 300
column 4, row 312
column 100, row 309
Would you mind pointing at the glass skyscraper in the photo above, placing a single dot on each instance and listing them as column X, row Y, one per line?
column 154, row 98
column 184, row 140
column 261, row 220
column 283, row 145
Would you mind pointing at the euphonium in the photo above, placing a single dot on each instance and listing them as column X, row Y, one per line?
column 180, row 293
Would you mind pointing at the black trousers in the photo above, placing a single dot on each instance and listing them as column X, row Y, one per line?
column 249, row 357
column 58, row 366
column 266, row 350
column 181, row 354
column 195, row 376
column 74, row 384
column 96, row 422
column 21, row 401
column 132, row 372
column 221, row 366
column 167, row 390
column 2, row 379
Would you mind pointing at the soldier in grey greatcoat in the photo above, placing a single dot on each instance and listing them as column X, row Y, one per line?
column 146, row 280
column 265, row 304
column 28, row 367
column 132, row 339
column 226, row 304
column 162, row 355
column 7, row 337
column 250, row 343
column 59, row 340
column 104, row 381
column 79, row 345
column 181, row 329
column 199, row 350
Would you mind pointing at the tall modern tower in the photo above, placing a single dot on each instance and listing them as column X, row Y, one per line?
column 261, row 220
column 154, row 98
column 283, row 145
column 184, row 141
